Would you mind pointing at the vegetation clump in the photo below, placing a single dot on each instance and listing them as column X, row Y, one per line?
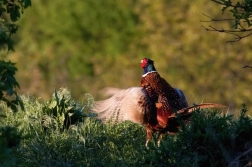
column 212, row 138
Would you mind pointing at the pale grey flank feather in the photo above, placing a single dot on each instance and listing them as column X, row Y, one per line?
column 122, row 105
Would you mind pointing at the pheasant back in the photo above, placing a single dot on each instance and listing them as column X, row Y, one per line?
column 175, row 98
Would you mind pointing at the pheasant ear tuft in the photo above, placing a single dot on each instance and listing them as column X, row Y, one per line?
column 150, row 61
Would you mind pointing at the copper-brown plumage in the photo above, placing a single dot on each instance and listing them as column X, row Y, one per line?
column 161, row 87
column 169, row 98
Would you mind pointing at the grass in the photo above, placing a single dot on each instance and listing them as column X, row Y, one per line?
column 212, row 139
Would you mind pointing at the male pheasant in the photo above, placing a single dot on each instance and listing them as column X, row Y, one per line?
column 169, row 99
column 155, row 104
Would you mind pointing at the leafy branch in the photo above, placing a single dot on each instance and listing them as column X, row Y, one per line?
column 10, row 12
column 241, row 18
column 8, row 84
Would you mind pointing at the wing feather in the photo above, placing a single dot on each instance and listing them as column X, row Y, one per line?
column 124, row 104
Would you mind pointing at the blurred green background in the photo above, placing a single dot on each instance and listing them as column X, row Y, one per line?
column 91, row 44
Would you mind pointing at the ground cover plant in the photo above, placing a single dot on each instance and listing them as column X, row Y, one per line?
column 213, row 138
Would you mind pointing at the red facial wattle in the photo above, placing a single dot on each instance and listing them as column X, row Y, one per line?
column 143, row 63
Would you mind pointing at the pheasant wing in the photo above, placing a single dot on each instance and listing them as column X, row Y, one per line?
column 131, row 104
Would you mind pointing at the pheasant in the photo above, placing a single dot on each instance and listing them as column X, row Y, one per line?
column 155, row 104
column 169, row 99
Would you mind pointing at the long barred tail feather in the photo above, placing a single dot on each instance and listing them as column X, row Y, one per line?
column 190, row 109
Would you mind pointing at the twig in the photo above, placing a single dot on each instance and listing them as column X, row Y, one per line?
column 232, row 32
column 246, row 66
column 212, row 19
column 226, row 30
column 218, row 2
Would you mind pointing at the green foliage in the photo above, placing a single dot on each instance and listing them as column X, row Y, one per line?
column 8, row 84
column 13, row 9
column 89, row 144
column 61, row 110
column 240, row 10
column 241, row 13
column 211, row 139
column 10, row 137
column 6, row 31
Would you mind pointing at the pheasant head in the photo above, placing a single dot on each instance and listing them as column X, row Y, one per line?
column 147, row 65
